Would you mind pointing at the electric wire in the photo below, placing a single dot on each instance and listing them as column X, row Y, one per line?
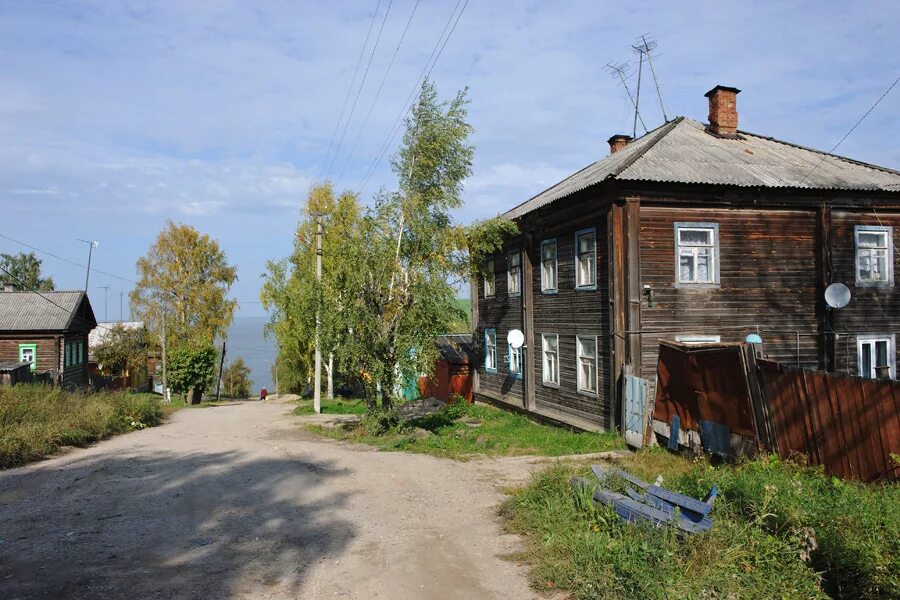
column 362, row 54
column 426, row 72
column 378, row 93
column 359, row 90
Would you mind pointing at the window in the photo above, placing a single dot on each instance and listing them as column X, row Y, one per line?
column 68, row 356
column 490, row 350
column 874, row 257
column 80, row 352
column 698, row 339
column 514, row 273
column 550, row 348
column 586, row 259
column 875, row 351
column 548, row 266
column 28, row 352
column 696, row 253
column 515, row 362
column 489, row 280
column 587, row 364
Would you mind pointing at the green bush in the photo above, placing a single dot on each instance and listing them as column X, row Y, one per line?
column 381, row 422
column 35, row 420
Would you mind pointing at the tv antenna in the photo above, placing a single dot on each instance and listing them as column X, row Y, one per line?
column 645, row 47
column 620, row 71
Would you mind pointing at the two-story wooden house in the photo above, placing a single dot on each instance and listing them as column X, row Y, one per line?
column 697, row 233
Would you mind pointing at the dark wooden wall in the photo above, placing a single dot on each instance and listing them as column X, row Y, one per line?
column 47, row 354
column 871, row 309
column 502, row 313
column 767, row 266
column 75, row 376
column 568, row 313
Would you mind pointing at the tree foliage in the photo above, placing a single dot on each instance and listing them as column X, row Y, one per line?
column 192, row 368
column 22, row 272
column 390, row 270
column 236, row 379
column 186, row 276
column 122, row 348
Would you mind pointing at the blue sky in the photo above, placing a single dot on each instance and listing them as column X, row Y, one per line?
column 115, row 116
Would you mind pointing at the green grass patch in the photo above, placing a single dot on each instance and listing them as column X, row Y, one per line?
column 35, row 420
column 764, row 520
column 463, row 431
column 335, row 406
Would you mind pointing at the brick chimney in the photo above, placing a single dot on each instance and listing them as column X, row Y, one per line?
column 723, row 116
column 617, row 142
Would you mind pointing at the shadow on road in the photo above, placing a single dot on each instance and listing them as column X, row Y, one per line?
column 224, row 525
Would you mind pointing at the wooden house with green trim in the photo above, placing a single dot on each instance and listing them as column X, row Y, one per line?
column 50, row 330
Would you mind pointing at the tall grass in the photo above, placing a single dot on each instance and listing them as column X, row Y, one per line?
column 779, row 531
column 35, row 420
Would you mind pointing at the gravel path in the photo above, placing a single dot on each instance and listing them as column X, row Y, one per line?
column 237, row 502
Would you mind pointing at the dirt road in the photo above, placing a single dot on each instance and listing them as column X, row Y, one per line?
column 237, row 502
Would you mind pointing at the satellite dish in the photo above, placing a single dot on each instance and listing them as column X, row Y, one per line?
column 515, row 338
column 837, row 295
column 753, row 338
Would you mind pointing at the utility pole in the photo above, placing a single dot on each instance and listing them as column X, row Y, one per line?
column 317, row 391
column 121, row 296
column 221, row 366
column 105, row 289
column 91, row 245
column 165, row 380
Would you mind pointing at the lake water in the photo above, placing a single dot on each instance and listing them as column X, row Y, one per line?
column 246, row 340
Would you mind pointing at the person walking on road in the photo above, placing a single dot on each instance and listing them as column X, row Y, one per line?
column 263, row 393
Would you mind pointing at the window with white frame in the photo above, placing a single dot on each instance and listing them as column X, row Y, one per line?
column 489, row 279
column 515, row 361
column 692, row 339
column 874, row 264
column 696, row 253
column 585, row 259
column 550, row 349
column 490, row 350
column 28, row 353
column 875, row 351
column 549, row 265
column 514, row 273
column 587, row 363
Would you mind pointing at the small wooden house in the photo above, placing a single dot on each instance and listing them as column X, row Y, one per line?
column 106, row 377
column 50, row 330
column 695, row 232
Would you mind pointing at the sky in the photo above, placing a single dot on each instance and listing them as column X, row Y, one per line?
column 116, row 116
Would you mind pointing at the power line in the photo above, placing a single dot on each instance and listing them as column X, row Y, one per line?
column 426, row 71
column 851, row 130
column 68, row 260
column 378, row 93
column 359, row 89
column 362, row 53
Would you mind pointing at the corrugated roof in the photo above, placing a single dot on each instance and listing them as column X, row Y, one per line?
column 682, row 151
column 456, row 348
column 101, row 332
column 28, row 311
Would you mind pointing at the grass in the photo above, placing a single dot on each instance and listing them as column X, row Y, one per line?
column 36, row 420
column 462, row 431
column 767, row 513
column 336, row 406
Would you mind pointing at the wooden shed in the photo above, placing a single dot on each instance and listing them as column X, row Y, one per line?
column 453, row 369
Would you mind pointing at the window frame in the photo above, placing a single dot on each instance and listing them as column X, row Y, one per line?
column 586, row 392
column 585, row 287
column 509, row 277
column 544, row 338
column 33, row 348
column 491, row 276
column 509, row 354
column 872, row 338
column 80, row 345
column 490, row 331
column 698, row 338
column 715, row 263
column 889, row 231
column 555, row 288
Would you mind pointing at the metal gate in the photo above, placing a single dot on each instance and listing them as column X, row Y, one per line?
column 633, row 415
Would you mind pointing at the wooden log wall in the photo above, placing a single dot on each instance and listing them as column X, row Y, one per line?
column 767, row 267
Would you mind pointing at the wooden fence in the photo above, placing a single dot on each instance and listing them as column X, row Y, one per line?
column 850, row 425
